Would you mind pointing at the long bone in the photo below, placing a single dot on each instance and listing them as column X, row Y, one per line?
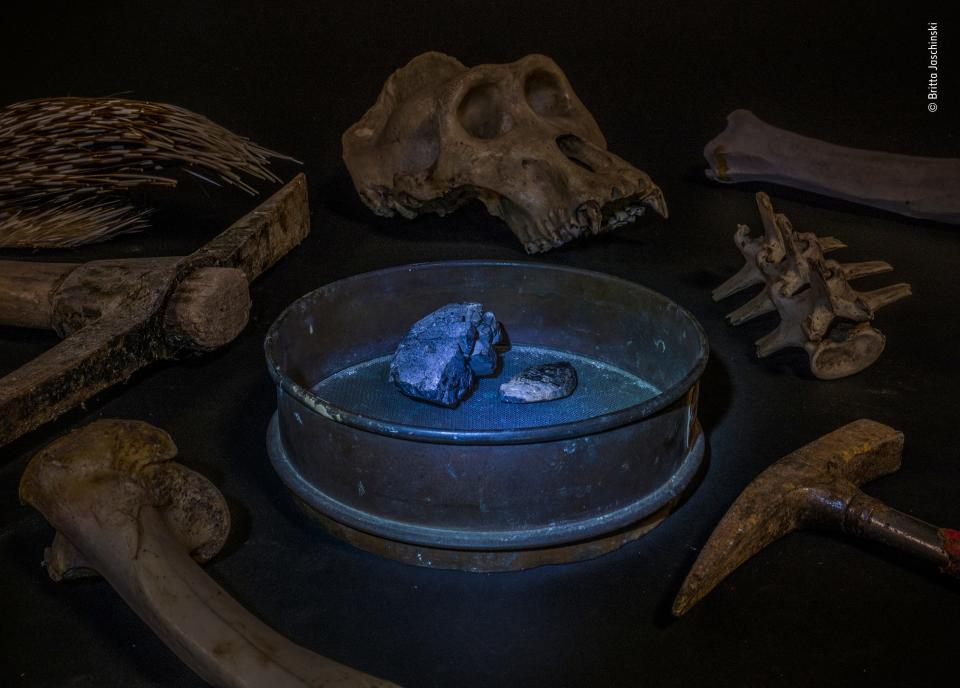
column 123, row 508
column 818, row 486
column 749, row 149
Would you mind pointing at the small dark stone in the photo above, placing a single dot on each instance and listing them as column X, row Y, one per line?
column 437, row 359
column 543, row 382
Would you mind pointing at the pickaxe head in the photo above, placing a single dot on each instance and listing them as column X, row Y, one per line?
column 811, row 485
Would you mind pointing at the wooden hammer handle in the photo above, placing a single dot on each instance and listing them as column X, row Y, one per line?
column 868, row 517
column 27, row 289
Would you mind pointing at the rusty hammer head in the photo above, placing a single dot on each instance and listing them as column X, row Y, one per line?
column 812, row 485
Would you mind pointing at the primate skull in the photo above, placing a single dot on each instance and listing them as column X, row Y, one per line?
column 514, row 136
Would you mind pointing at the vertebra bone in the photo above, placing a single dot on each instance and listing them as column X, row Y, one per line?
column 820, row 312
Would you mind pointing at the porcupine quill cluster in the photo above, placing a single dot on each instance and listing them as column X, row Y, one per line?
column 66, row 163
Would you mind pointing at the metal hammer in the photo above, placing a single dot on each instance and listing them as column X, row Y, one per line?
column 817, row 485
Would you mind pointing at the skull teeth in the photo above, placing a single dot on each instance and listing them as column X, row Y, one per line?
column 623, row 216
column 559, row 227
column 590, row 217
column 655, row 199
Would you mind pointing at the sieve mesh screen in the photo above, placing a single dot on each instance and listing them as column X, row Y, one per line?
column 365, row 389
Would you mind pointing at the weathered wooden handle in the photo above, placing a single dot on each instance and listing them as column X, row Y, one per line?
column 121, row 315
column 27, row 289
column 206, row 310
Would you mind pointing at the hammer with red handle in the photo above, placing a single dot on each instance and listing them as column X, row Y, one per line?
column 817, row 486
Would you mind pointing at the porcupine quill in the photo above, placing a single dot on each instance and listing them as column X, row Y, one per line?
column 66, row 163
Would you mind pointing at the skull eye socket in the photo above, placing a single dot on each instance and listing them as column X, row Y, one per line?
column 482, row 113
column 546, row 95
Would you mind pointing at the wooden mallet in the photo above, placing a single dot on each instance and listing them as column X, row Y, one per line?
column 120, row 315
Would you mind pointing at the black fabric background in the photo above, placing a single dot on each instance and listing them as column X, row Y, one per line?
column 660, row 78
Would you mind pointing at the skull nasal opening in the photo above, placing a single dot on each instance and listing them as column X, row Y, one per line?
column 482, row 112
column 575, row 149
